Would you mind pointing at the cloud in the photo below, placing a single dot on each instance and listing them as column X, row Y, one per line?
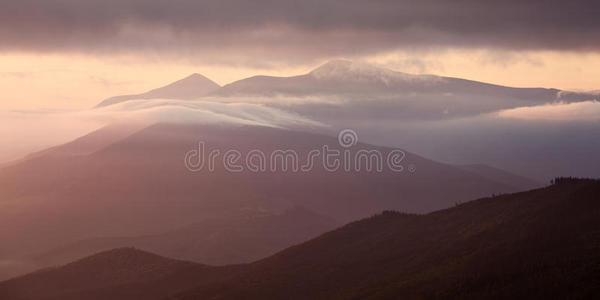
column 206, row 112
column 294, row 30
column 565, row 134
column 578, row 111
column 413, row 65
column 25, row 131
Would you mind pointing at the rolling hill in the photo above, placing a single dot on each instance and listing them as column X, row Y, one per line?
column 139, row 185
column 538, row 244
column 216, row 241
column 123, row 273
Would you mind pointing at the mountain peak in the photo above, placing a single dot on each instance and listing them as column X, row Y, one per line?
column 191, row 87
column 196, row 77
column 194, row 81
column 336, row 66
column 345, row 70
column 121, row 256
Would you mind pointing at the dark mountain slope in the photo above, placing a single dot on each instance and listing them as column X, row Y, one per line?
column 538, row 244
column 124, row 273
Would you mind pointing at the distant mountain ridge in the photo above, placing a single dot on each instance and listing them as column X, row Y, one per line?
column 191, row 87
column 140, row 183
column 537, row 244
column 119, row 270
column 215, row 241
column 449, row 119
column 341, row 90
column 347, row 78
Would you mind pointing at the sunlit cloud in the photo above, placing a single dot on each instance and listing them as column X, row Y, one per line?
column 579, row 111
column 204, row 112
column 25, row 131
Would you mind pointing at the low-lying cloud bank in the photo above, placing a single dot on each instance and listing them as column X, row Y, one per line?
column 578, row 111
column 23, row 132
column 160, row 110
column 537, row 141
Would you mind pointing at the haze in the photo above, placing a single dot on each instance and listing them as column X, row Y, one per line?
column 317, row 149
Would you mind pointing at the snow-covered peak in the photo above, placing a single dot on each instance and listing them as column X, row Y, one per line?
column 344, row 70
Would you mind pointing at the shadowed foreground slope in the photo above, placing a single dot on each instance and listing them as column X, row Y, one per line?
column 541, row 243
column 123, row 273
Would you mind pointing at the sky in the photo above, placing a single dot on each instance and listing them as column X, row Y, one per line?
column 59, row 58
column 71, row 54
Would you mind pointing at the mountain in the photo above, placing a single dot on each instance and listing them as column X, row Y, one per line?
column 216, row 241
column 351, row 78
column 139, row 185
column 378, row 92
column 191, row 87
column 373, row 89
column 91, row 142
column 123, row 273
column 448, row 119
column 538, row 244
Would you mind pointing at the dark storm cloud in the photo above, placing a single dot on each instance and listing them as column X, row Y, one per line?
column 308, row 28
